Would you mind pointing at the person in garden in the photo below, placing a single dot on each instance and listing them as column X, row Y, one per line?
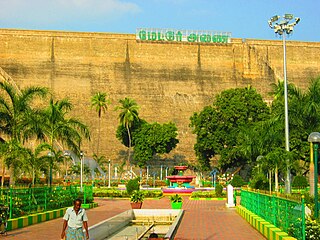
column 74, row 221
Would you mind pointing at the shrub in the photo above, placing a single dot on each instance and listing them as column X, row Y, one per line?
column 137, row 196
column 175, row 198
column 133, row 184
column 237, row 181
column 300, row 182
column 312, row 229
column 203, row 194
column 260, row 182
column 219, row 190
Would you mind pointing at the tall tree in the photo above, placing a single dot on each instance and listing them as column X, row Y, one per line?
column 59, row 129
column 128, row 114
column 217, row 126
column 16, row 107
column 99, row 102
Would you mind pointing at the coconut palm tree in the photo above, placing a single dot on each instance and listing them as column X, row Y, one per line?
column 15, row 108
column 59, row 129
column 99, row 102
column 128, row 114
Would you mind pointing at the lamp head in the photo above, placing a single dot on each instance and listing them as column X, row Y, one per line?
column 275, row 18
column 314, row 137
column 288, row 16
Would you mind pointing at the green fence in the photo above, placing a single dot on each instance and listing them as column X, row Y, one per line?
column 285, row 214
column 25, row 201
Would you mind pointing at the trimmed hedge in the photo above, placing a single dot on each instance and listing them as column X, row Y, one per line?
column 116, row 193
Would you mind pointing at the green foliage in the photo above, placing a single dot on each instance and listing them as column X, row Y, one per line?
column 312, row 229
column 175, row 198
column 112, row 193
column 132, row 185
column 127, row 116
column 137, row 196
column 218, row 190
column 300, row 182
column 152, row 139
column 116, row 193
column 217, row 126
column 122, row 132
column 259, row 181
column 205, row 194
column 237, row 181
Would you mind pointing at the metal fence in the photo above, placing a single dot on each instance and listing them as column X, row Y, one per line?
column 285, row 214
column 25, row 201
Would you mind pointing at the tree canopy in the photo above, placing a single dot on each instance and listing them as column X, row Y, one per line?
column 218, row 126
column 152, row 139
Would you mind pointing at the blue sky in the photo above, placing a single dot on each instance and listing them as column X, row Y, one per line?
column 243, row 18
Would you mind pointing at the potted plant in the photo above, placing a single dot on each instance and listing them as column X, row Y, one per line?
column 176, row 201
column 136, row 199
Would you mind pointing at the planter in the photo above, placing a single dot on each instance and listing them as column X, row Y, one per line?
column 176, row 205
column 136, row 205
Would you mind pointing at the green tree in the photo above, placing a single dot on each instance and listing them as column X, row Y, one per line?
column 304, row 118
column 60, row 129
column 128, row 114
column 152, row 139
column 16, row 124
column 99, row 102
column 217, row 126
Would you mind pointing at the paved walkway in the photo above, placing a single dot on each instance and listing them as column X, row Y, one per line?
column 203, row 220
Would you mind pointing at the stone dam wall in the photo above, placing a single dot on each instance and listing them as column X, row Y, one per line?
column 169, row 80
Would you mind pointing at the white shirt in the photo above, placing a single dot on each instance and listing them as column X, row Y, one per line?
column 74, row 220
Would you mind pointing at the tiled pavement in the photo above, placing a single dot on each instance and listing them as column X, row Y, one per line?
column 203, row 220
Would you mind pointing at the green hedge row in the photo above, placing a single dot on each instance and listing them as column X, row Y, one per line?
column 207, row 194
column 116, row 193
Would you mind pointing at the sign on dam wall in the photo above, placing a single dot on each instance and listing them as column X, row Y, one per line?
column 191, row 36
column 169, row 80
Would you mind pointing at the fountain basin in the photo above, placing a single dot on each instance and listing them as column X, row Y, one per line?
column 138, row 224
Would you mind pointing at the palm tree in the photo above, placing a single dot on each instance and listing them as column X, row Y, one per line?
column 128, row 115
column 58, row 128
column 100, row 102
column 15, row 109
column 311, row 117
column 35, row 160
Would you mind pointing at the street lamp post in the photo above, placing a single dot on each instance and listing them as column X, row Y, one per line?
column 282, row 27
column 81, row 171
column 314, row 138
column 109, row 173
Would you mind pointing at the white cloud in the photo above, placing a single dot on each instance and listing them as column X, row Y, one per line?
column 42, row 12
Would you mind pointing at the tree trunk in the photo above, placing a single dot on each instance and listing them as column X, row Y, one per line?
column 99, row 132
column 129, row 150
column 3, row 172
column 270, row 181
column 276, row 183
column 33, row 177
column 12, row 177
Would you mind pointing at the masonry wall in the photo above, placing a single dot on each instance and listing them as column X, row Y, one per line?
column 169, row 81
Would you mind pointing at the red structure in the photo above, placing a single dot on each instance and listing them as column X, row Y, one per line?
column 180, row 182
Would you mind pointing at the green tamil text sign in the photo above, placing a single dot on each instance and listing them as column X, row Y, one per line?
column 172, row 35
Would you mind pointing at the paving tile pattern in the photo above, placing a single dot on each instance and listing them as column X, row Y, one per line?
column 203, row 220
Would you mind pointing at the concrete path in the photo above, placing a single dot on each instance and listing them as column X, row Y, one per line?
column 203, row 220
